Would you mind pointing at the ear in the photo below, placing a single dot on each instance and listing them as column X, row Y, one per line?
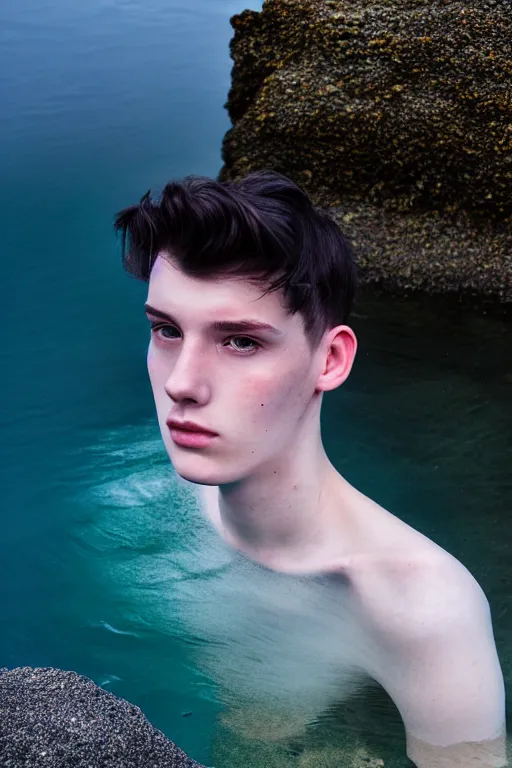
column 339, row 349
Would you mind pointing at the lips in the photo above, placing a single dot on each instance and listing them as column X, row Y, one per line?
column 190, row 426
column 187, row 434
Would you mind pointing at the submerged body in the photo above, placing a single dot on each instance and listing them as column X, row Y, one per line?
column 238, row 376
column 399, row 611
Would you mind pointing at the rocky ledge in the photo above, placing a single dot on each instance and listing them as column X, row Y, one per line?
column 55, row 719
column 397, row 116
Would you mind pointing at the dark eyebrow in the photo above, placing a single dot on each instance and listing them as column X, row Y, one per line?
column 231, row 326
column 244, row 325
column 157, row 313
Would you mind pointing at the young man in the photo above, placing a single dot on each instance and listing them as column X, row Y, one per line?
column 250, row 289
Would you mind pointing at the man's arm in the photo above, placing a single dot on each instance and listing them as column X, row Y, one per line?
column 442, row 671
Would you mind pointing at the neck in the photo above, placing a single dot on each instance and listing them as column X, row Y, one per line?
column 289, row 515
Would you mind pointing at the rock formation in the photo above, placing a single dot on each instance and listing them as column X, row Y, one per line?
column 396, row 115
column 55, row 719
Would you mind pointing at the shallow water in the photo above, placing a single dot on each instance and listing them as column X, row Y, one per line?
column 100, row 102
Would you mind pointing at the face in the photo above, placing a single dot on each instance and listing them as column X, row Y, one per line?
column 233, row 362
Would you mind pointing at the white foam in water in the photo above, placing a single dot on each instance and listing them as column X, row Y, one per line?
column 261, row 637
column 134, row 490
column 117, row 631
column 109, row 680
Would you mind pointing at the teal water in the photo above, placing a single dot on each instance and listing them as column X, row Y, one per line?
column 99, row 103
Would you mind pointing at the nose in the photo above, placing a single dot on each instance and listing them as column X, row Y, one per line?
column 187, row 381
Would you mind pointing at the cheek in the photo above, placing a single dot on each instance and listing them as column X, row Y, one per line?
column 271, row 398
column 150, row 360
column 158, row 375
column 156, row 369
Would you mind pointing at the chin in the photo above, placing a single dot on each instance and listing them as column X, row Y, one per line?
column 197, row 468
column 200, row 475
column 197, row 479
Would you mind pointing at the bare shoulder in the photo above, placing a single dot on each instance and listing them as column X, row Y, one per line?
column 404, row 581
column 433, row 650
column 417, row 591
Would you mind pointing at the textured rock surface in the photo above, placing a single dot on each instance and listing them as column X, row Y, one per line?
column 50, row 718
column 396, row 114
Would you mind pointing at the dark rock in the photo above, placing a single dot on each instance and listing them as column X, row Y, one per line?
column 396, row 115
column 55, row 719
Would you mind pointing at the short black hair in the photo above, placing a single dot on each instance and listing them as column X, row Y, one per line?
column 263, row 227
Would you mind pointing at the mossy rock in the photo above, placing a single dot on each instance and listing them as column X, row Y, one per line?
column 395, row 112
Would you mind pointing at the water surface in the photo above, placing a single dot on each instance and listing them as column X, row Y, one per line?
column 100, row 102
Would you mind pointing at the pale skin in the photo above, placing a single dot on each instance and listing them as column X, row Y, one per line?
column 272, row 493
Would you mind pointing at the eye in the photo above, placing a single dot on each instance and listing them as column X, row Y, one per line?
column 243, row 344
column 173, row 332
